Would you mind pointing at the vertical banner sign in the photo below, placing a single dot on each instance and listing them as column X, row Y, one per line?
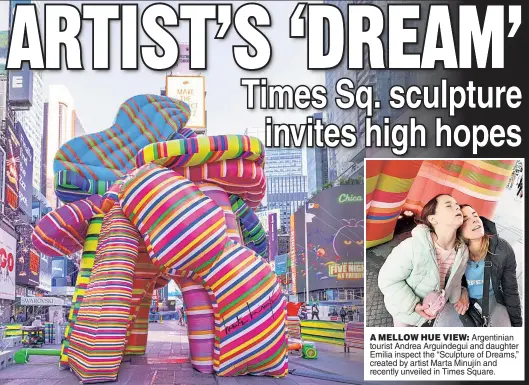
column 12, row 167
column 8, row 246
column 293, row 253
column 272, row 236
column 191, row 90
column 21, row 88
column 26, row 172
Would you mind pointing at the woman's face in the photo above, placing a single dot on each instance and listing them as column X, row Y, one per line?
column 472, row 225
column 447, row 213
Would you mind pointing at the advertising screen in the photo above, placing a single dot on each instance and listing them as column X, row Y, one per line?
column 335, row 240
column 8, row 246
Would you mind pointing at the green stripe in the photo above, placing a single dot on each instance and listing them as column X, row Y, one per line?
column 247, row 294
column 487, row 180
column 451, row 167
column 500, row 164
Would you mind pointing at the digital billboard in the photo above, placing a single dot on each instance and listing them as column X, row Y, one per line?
column 25, row 182
column 12, row 166
column 335, row 240
column 8, row 246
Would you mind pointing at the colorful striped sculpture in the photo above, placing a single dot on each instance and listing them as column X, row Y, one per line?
column 148, row 201
column 393, row 186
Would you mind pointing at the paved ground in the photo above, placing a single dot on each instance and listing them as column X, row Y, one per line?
column 168, row 340
column 509, row 223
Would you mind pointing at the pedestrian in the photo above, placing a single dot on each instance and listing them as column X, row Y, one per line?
column 343, row 313
column 182, row 317
column 315, row 311
column 303, row 311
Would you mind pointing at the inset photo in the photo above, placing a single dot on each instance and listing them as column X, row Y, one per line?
column 444, row 243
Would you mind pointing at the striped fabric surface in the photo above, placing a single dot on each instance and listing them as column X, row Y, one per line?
column 202, row 149
column 83, row 278
column 63, row 231
column 221, row 199
column 145, row 278
column 99, row 334
column 387, row 186
column 241, row 177
column 200, row 323
column 183, row 229
column 97, row 160
column 253, row 233
column 393, row 186
column 479, row 183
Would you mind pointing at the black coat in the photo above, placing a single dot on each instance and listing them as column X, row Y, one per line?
column 503, row 273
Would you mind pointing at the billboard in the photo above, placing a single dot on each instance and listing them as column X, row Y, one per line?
column 263, row 217
column 191, row 90
column 335, row 240
column 12, row 166
column 173, row 291
column 45, row 273
column 8, row 246
column 4, row 36
column 21, row 88
column 281, row 264
column 25, row 182
column 272, row 236
column 292, row 254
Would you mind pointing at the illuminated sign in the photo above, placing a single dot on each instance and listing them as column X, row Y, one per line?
column 350, row 198
column 346, row 270
column 192, row 91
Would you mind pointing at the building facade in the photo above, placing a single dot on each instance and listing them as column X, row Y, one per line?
column 286, row 186
column 32, row 122
column 59, row 127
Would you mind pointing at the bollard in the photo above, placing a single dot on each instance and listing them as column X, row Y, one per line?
column 161, row 319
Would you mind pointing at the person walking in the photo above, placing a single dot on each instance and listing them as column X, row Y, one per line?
column 315, row 311
column 343, row 313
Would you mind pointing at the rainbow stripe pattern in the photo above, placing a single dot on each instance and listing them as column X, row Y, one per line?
column 148, row 201
column 393, row 186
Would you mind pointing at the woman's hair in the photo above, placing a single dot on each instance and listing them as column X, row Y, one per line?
column 430, row 208
column 485, row 240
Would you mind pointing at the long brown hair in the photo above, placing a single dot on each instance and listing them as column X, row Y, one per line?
column 485, row 240
column 430, row 208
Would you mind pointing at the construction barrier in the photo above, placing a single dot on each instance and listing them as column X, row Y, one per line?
column 323, row 331
column 354, row 335
column 13, row 330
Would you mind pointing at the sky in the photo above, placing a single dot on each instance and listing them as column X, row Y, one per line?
column 98, row 94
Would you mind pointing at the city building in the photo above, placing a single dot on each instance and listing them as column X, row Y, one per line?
column 59, row 127
column 78, row 126
column 317, row 165
column 286, row 186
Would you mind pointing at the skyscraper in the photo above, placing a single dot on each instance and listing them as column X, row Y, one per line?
column 286, row 186
column 32, row 121
column 317, row 165
column 59, row 127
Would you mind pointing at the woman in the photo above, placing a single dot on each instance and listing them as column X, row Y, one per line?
column 504, row 299
column 432, row 259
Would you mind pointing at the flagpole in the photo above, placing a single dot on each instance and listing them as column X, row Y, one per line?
column 306, row 260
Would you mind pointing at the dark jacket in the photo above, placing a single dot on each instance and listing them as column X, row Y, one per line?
column 503, row 273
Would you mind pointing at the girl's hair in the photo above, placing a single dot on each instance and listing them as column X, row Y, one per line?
column 429, row 209
column 485, row 240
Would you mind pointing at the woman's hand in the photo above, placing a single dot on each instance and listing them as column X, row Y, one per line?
column 419, row 309
column 461, row 306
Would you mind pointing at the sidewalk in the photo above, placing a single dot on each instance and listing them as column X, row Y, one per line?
column 168, row 344
column 509, row 224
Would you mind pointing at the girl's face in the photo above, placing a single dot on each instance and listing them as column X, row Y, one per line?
column 447, row 213
column 472, row 225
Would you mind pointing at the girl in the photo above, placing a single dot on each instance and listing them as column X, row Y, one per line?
column 504, row 299
column 433, row 259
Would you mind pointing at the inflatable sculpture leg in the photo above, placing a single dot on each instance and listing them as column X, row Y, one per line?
column 185, row 230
